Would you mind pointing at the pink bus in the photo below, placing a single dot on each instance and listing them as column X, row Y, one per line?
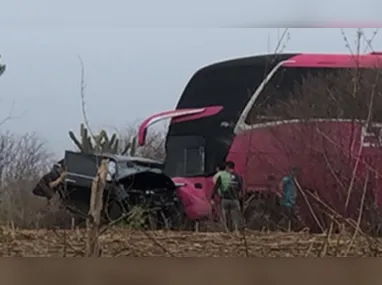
column 223, row 114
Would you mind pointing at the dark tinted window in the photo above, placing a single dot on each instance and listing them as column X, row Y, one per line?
column 185, row 156
column 84, row 164
column 228, row 84
column 194, row 160
column 298, row 93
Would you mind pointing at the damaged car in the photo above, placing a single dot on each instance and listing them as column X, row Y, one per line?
column 131, row 182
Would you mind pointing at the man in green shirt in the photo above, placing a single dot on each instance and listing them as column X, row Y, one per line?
column 229, row 187
column 221, row 168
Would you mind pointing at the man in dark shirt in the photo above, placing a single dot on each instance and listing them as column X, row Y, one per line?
column 229, row 187
column 47, row 186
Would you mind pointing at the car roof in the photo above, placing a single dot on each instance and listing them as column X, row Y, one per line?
column 122, row 158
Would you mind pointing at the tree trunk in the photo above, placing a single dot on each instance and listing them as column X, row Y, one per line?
column 96, row 204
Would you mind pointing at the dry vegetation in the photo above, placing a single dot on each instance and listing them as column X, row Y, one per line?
column 118, row 242
column 25, row 219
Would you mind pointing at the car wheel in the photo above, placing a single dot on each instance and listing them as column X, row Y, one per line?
column 114, row 211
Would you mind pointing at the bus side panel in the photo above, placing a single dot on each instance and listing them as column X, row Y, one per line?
column 325, row 153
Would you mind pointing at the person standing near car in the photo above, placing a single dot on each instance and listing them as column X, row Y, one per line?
column 229, row 187
column 49, row 183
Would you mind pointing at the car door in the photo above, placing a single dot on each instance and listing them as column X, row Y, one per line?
column 81, row 168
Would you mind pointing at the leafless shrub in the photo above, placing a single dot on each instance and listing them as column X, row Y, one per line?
column 155, row 141
column 23, row 159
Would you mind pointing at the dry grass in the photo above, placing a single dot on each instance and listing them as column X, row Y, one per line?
column 117, row 242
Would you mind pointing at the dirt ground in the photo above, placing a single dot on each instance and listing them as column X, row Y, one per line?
column 122, row 242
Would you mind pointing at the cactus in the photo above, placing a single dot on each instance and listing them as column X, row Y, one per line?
column 133, row 146
column 101, row 143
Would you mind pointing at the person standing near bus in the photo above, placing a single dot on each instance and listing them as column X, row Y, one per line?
column 229, row 187
column 288, row 189
column 219, row 169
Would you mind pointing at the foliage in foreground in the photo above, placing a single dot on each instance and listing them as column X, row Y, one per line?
column 117, row 242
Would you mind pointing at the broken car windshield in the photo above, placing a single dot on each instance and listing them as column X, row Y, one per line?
column 131, row 167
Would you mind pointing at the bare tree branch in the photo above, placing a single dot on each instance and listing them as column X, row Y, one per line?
column 23, row 159
column 10, row 115
column 83, row 102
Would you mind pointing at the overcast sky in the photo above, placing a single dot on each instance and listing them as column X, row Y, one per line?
column 133, row 72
